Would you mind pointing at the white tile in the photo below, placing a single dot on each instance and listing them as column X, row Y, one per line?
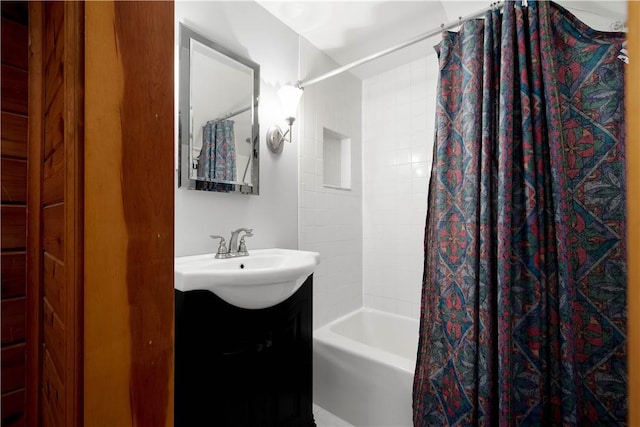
column 404, row 111
column 308, row 199
column 418, row 154
column 419, row 185
column 409, row 309
column 403, row 156
column 419, row 127
column 402, row 76
column 403, row 140
column 388, row 157
column 418, row 108
column 370, row 300
column 304, row 217
column 418, row 216
column 376, row 302
column 308, row 165
column 420, row 170
column 419, row 91
column 410, row 285
column 403, row 172
column 372, row 284
column 388, row 304
column 321, row 199
column 309, row 180
column 419, row 70
column 419, row 201
column 430, row 111
column 432, row 88
column 398, row 110
column 309, row 147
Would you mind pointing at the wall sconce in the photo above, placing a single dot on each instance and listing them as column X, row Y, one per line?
column 289, row 97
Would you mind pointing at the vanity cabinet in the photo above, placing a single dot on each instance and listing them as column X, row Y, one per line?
column 241, row 367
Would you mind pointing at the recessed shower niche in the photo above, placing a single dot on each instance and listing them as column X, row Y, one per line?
column 336, row 160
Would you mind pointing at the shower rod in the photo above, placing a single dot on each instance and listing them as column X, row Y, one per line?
column 427, row 35
column 233, row 114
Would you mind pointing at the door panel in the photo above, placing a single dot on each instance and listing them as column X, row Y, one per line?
column 13, row 167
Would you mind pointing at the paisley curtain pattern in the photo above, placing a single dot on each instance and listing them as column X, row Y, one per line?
column 217, row 160
column 523, row 318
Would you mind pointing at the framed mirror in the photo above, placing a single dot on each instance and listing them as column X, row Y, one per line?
column 218, row 117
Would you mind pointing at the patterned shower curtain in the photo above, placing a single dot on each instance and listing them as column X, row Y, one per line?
column 524, row 290
column 217, row 159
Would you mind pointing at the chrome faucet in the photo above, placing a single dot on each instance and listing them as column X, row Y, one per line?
column 236, row 249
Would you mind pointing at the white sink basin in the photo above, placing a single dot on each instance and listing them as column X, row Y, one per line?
column 263, row 279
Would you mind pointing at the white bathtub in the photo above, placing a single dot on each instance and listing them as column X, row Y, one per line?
column 363, row 367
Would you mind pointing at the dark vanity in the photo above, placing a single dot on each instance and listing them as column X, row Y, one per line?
column 242, row 367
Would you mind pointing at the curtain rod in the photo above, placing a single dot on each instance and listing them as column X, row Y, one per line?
column 233, row 114
column 429, row 34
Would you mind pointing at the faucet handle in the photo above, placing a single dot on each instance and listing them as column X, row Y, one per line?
column 222, row 249
column 242, row 248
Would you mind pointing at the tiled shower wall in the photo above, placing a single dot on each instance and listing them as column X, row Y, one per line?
column 398, row 131
column 330, row 220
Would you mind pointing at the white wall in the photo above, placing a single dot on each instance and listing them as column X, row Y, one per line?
column 325, row 220
column 398, row 132
column 331, row 219
column 249, row 30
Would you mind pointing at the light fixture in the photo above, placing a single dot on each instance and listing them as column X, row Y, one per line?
column 289, row 97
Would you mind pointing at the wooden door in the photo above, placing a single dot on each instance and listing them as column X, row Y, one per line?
column 129, row 188
column 55, row 223
column 100, row 222
column 14, row 209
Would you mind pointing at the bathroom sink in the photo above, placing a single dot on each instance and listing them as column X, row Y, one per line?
column 262, row 279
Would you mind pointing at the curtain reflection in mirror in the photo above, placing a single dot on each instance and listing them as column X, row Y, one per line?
column 217, row 160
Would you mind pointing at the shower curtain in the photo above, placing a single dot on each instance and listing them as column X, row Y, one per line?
column 217, row 159
column 523, row 317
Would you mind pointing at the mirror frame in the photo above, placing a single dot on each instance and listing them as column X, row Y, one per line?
column 184, row 117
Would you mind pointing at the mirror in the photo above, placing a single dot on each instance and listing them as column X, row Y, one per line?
column 218, row 117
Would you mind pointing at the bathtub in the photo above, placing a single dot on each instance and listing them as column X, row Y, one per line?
column 363, row 367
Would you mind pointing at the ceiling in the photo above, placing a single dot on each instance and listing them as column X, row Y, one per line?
column 350, row 30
